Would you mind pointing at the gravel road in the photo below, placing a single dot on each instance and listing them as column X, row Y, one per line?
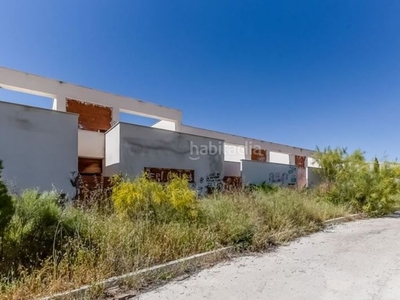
column 358, row 260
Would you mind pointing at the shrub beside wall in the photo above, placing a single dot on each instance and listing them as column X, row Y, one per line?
column 6, row 210
column 349, row 178
column 144, row 198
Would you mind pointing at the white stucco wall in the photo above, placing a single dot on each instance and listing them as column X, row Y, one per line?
column 279, row 158
column 170, row 118
column 311, row 162
column 142, row 147
column 234, row 152
column 232, row 168
column 163, row 124
column 112, row 151
column 247, row 142
column 254, row 172
column 90, row 144
column 39, row 147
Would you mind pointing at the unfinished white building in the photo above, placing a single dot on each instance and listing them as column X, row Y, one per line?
column 91, row 141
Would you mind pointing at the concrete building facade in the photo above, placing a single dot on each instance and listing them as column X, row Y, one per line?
column 255, row 172
column 133, row 149
column 103, row 145
column 39, row 148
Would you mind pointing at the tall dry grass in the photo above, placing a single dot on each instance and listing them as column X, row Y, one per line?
column 108, row 242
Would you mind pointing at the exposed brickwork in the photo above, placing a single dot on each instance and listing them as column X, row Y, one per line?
column 300, row 161
column 258, row 154
column 91, row 116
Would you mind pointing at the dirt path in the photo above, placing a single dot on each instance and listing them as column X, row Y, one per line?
column 359, row 260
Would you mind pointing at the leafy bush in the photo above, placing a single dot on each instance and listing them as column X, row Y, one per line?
column 330, row 161
column 145, row 198
column 38, row 229
column 6, row 209
column 371, row 188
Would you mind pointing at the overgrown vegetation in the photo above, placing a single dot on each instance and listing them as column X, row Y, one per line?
column 373, row 188
column 143, row 198
column 6, row 212
column 48, row 247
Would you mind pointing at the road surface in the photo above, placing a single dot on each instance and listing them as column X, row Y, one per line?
column 358, row 260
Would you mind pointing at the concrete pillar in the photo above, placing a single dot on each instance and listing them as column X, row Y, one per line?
column 60, row 103
column 268, row 155
column 307, row 178
column 247, row 150
column 178, row 126
column 115, row 115
column 291, row 159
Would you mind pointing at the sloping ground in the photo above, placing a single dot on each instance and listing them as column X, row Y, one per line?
column 358, row 260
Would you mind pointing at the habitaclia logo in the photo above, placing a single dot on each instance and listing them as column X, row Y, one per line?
column 198, row 150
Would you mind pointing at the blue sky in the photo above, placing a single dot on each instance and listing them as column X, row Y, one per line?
column 303, row 73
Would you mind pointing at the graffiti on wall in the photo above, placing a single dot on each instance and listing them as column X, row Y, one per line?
column 210, row 183
column 283, row 178
column 204, row 185
column 164, row 175
column 214, row 182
